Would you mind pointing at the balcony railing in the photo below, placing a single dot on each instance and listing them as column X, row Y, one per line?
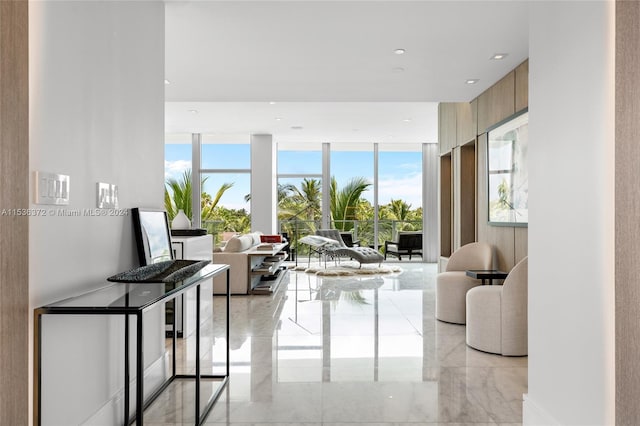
column 296, row 228
column 362, row 230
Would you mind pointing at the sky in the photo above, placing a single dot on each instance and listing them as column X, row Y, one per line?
column 399, row 175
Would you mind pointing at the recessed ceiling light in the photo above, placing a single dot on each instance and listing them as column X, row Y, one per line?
column 398, row 69
column 272, row 103
column 499, row 56
column 297, row 127
column 407, row 120
column 472, row 81
column 167, row 82
column 278, row 118
column 399, row 51
column 193, row 111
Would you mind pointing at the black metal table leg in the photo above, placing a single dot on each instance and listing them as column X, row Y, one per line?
column 127, row 371
column 37, row 325
column 197, row 416
column 228, row 316
column 139, row 371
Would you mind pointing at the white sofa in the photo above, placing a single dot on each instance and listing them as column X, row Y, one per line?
column 234, row 254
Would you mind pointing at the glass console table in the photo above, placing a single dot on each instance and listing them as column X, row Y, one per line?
column 135, row 299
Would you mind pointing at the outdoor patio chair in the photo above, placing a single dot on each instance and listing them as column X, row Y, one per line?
column 407, row 243
column 347, row 238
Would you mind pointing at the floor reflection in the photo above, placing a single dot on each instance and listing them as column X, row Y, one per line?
column 366, row 350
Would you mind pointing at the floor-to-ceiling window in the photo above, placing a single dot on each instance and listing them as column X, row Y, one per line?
column 352, row 190
column 177, row 174
column 226, row 187
column 224, row 173
column 399, row 189
column 373, row 190
column 299, row 190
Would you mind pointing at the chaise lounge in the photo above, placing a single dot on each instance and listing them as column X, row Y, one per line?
column 361, row 254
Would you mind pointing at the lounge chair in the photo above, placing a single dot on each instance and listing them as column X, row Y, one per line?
column 361, row 254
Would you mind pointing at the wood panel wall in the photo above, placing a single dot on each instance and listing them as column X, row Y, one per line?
column 466, row 119
column 522, row 86
column 455, row 196
column 447, row 126
column 497, row 103
column 627, row 199
column 467, row 194
column 14, row 194
column 461, row 124
column 445, row 206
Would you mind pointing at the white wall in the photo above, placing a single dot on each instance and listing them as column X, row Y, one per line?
column 571, row 228
column 96, row 114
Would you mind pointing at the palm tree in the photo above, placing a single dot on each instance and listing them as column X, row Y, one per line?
column 309, row 197
column 400, row 211
column 180, row 197
column 344, row 202
column 283, row 192
column 208, row 205
column 303, row 203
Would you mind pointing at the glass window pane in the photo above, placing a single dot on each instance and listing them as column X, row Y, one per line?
column 352, row 202
column 226, row 156
column 177, row 174
column 231, row 212
column 299, row 208
column 300, row 162
column 177, row 160
column 399, row 192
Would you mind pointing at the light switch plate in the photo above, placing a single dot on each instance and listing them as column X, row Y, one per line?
column 52, row 188
column 106, row 196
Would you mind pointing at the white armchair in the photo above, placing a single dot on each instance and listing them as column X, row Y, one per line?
column 453, row 284
column 497, row 315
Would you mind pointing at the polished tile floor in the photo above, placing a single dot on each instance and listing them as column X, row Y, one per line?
column 363, row 350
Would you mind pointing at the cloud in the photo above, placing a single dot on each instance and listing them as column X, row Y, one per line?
column 409, row 166
column 407, row 188
column 174, row 169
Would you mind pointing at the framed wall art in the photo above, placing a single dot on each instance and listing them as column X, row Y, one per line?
column 508, row 177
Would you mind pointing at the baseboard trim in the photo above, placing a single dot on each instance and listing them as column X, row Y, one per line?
column 534, row 415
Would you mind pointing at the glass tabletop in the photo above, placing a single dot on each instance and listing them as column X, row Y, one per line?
column 486, row 273
column 129, row 296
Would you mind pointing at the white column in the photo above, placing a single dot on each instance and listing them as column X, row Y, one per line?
column 430, row 175
column 376, row 208
column 264, row 194
column 196, row 190
column 326, row 185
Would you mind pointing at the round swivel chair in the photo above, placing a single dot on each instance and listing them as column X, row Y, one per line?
column 453, row 284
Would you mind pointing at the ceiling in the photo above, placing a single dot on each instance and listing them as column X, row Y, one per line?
column 329, row 66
